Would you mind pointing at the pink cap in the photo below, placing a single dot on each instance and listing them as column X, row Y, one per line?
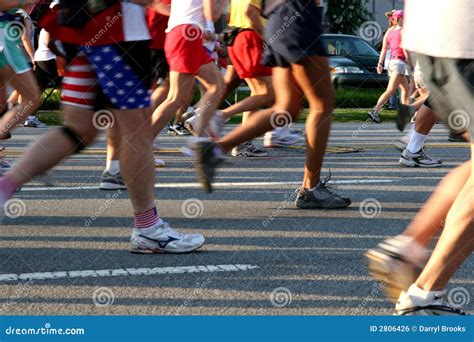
column 397, row 14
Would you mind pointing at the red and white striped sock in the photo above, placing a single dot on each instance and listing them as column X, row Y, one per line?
column 147, row 219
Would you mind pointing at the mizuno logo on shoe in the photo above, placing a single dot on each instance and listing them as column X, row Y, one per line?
column 161, row 243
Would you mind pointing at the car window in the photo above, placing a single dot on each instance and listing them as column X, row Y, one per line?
column 343, row 46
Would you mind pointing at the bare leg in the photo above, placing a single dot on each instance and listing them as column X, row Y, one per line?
column 210, row 76
column 431, row 218
column 113, row 144
column 261, row 96
column 287, row 98
column 27, row 87
column 51, row 148
column 314, row 79
column 180, row 87
column 393, row 84
column 138, row 168
column 160, row 93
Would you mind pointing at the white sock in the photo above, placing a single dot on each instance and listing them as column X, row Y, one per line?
column 113, row 167
column 427, row 296
column 411, row 129
column 416, row 143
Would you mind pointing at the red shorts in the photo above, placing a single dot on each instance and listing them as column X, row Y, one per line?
column 185, row 51
column 246, row 55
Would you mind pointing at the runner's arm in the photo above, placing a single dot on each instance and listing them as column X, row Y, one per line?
column 25, row 38
column 161, row 7
column 383, row 53
column 213, row 9
column 6, row 5
column 253, row 15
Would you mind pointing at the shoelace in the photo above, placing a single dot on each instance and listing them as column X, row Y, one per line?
column 324, row 185
column 170, row 231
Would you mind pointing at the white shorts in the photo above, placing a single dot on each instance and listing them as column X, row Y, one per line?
column 397, row 66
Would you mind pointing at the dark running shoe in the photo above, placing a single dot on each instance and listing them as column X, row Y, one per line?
column 206, row 162
column 321, row 198
column 111, row 182
column 374, row 116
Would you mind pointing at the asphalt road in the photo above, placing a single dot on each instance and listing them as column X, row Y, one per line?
column 67, row 252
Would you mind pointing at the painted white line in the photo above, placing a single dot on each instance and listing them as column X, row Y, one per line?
column 216, row 185
column 125, row 272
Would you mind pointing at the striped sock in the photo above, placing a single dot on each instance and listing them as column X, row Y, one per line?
column 147, row 219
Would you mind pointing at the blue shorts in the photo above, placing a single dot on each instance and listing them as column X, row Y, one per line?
column 293, row 33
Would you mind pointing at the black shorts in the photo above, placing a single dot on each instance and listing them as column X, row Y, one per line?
column 46, row 74
column 293, row 33
column 159, row 64
column 451, row 84
column 122, row 73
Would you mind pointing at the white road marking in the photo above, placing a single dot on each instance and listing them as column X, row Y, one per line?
column 216, row 185
column 125, row 272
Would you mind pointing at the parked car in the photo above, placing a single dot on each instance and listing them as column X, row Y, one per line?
column 353, row 62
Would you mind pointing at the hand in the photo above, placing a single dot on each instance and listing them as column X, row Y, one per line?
column 379, row 69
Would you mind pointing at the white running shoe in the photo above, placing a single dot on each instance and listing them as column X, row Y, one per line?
column 34, row 123
column 416, row 302
column 156, row 146
column 214, row 128
column 249, row 150
column 419, row 159
column 163, row 239
column 159, row 162
column 280, row 137
column 396, row 263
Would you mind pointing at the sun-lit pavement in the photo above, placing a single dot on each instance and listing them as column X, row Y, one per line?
column 67, row 251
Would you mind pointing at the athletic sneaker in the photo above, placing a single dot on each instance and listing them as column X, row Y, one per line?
column 178, row 130
column 402, row 143
column 414, row 303
column 34, row 123
column 214, row 128
column 404, row 116
column 419, row 159
column 374, row 116
column 396, row 263
column 320, row 198
column 281, row 137
column 111, row 182
column 156, row 146
column 163, row 239
column 453, row 137
column 159, row 162
column 207, row 160
column 4, row 165
column 249, row 150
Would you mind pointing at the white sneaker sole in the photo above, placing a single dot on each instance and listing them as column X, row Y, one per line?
column 110, row 186
column 145, row 250
column 410, row 163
